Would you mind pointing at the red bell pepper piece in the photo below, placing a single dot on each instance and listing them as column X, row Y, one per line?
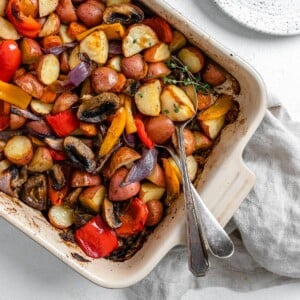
column 57, row 155
column 56, row 196
column 63, row 123
column 10, row 58
column 161, row 28
column 141, row 131
column 24, row 24
column 96, row 239
column 133, row 219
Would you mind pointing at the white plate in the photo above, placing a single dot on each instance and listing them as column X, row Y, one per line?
column 278, row 17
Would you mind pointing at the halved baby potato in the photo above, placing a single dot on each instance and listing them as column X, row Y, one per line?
column 7, row 30
column 46, row 7
column 176, row 104
column 2, row 7
column 95, row 45
column 193, row 58
column 51, row 26
column 212, row 127
column 147, row 98
column 150, row 191
column 48, row 69
column 61, row 216
column 92, row 197
column 19, row 150
column 41, row 161
column 40, row 108
column 158, row 52
column 138, row 38
column 178, row 41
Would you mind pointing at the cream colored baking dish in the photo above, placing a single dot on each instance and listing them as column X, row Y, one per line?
column 225, row 184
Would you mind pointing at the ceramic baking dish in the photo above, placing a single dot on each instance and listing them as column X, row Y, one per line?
column 225, row 183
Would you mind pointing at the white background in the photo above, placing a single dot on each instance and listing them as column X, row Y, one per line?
column 27, row 271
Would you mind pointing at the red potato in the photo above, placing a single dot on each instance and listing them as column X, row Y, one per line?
column 41, row 160
column 64, row 102
column 19, row 150
column 155, row 212
column 16, row 121
column 48, row 69
column 134, row 67
column 213, row 74
column 202, row 141
column 203, row 101
column 61, row 216
column 157, row 176
column 82, row 178
column 66, row 11
column 30, row 84
column 31, row 50
column 92, row 197
column 188, row 141
column 118, row 193
column 157, row 70
column 51, row 26
column 46, row 7
column 159, row 129
column 193, row 58
column 91, row 12
column 212, row 127
column 158, row 52
column 104, row 79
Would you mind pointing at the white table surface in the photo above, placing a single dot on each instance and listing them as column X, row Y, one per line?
column 29, row 272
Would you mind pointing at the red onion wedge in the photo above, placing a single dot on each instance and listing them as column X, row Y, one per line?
column 143, row 167
column 24, row 113
column 59, row 49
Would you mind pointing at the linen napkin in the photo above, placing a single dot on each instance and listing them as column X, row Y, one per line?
column 267, row 239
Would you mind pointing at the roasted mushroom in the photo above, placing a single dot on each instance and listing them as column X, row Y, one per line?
column 80, row 154
column 58, row 179
column 98, row 108
column 123, row 13
column 34, row 192
column 109, row 214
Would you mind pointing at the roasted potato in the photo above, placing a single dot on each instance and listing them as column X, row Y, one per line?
column 46, row 7
column 48, row 69
column 7, row 30
column 90, row 12
column 155, row 212
column 41, row 160
column 19, row 150
column 147, row 98
column 66, row 11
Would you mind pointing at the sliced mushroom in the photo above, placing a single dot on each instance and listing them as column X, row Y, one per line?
column 20, row 176
column 123, row 13
column 81, row 217
column 109, row 214
column 34, row 192
column 58, row 179
column 80, row 154
column 72, row 197
column 98, row 108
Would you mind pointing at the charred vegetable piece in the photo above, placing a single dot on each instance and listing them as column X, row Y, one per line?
column 34, row 192
column 123, row 13
column 98, row 108
column 96, row 239
column 133, row 219
column 109, row 214
column 6, row 183
column 57, row 177
column 80, row 153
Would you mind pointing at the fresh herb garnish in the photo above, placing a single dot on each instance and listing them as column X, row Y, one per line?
column 188, row 77
column 175, row 108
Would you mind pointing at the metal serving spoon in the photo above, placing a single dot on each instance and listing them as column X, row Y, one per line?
column 199, row 235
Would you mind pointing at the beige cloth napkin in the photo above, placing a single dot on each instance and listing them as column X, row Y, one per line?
column 268, row 221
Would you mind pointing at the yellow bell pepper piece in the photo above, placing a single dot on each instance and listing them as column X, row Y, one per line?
column 130, row 124
column 114, row 132
column 172, row 182
column 14, row 95
column 218, row 109
column 113, row 31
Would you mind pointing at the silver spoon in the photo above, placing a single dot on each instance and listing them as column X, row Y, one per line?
column 215, row 237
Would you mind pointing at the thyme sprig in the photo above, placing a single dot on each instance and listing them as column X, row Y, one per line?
column 188, row 77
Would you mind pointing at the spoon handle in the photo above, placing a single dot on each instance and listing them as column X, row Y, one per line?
column 218, row 241
column 197, row 252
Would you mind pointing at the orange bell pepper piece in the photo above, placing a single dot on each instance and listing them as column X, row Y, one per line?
column 14, row 95
column 218, row 109
column 18, row 13
column 130, row 124
column 114, row 132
